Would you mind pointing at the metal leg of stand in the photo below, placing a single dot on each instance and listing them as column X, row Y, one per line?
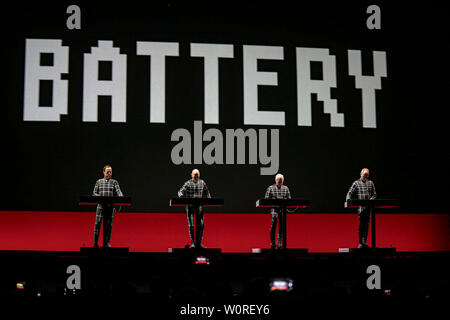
column 196, row 227
column 283, row 213
column 373, row 228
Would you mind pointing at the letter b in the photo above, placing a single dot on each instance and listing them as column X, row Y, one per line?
column 36, row 71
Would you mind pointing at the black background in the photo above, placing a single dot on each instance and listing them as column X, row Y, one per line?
column 47, row 165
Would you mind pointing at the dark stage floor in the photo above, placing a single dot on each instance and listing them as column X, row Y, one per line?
column 171, row 281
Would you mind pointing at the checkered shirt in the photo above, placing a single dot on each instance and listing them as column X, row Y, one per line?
column 275, row 192
column 362, row 190
column 107, row 188
column 194, row 189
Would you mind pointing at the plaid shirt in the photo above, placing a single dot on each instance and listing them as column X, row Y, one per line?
column 363, row 190
column 275, row 192
column 107, row 188
column 194, row 189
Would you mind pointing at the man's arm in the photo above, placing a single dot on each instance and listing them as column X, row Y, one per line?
column 374, row 192
column 288, row 193
column 351, row 191
column 117, row 189
column 183, row 189
column 268, row 193
column 206, row 191
column 95, row 191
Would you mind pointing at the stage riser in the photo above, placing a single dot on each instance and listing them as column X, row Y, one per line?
column 239, row 232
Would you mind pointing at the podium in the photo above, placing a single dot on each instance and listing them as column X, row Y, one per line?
column 94, row 200
column 374, row 204
column 283, row 204
column 205, row 202
column 196, row 202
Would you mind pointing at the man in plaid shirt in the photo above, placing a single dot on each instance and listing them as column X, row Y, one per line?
column 363, row 189
column 195, row 188
column 277, row 191
column 106, row 187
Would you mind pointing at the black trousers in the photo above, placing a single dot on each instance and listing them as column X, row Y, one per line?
column 277, row 218
column 364, row 222
column 196, row 224
column 105, row 214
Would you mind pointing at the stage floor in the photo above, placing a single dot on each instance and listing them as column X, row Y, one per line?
column 233, row 232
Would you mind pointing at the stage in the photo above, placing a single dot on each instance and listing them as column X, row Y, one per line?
column 232, row 232
column 46, row 259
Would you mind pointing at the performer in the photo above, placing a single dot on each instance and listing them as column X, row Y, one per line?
column 106, row 187
column 277, row 191
column 362, row 189
column 195, row 188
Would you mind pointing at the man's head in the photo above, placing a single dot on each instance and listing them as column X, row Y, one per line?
column 364, row 174
column 107, row 172
column 195, row 174
column 279, row 179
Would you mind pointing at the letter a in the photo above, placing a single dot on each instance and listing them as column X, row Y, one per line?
column 74, row 280
column 374, row 281
column 374, row 21
column 74, row 21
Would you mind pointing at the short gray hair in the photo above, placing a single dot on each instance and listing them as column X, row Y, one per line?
column 362, row 170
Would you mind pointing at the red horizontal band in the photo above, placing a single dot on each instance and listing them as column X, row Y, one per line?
column 94, row 203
